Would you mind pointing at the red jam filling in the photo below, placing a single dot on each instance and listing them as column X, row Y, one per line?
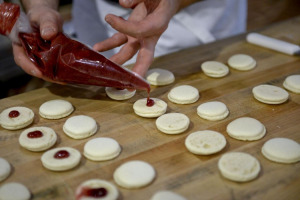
column 13, row 114
column 61, row 154
column 150, row 102
column 94, row 192
column 35, row 134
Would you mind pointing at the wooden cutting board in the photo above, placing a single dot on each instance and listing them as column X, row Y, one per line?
column 193, row 176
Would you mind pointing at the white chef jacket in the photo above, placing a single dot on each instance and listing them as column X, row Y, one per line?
column 199, row 23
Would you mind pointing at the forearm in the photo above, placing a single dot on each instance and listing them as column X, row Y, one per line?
column 28, row 4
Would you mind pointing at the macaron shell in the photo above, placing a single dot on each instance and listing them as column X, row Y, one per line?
column 100, row 149
column 5, row 169
column 270, row 94
column 14, row 191
column 117, row 94
column 56, row 109
column 25, row 118
column 292, row 83
column 241, row 62
column 213, row 111
column 167, row 195
column 112, row 191
column 38, row 144
column 246, row 128
column 80, row 127
column 160, row 77
column 159, row 108
column 51, row 163
column 184, row 94
column 238, row 166
column 282, row 150
column 205, row 142
column 214, row 69
column 172, row 123
column 134, row 174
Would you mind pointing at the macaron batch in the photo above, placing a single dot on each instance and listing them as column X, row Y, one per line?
column 235, row 166
column 209, row 142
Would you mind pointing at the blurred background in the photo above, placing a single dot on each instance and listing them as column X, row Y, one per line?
column 14, row 81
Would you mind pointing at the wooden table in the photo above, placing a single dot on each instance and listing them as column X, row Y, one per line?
column 193, row 176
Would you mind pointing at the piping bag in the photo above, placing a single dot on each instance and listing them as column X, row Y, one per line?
column 63, row 59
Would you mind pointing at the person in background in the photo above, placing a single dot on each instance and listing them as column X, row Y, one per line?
column 136, row 31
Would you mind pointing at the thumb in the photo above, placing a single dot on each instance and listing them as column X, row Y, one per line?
column 49, row 27
column 129, row 3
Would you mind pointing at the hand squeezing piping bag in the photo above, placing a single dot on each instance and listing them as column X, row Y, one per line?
column 62, row 59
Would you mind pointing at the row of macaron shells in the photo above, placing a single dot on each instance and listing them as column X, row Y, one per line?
column 65, row 158
column 198, row 97
column 253, row 129
column 208, row 142
column 61, row 158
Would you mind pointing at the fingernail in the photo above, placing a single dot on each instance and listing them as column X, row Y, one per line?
column 33, row 72
column 108, row 19
column 129, row 2
column 47, row 30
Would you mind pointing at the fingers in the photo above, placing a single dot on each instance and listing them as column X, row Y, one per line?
column 22, row 60
column 145, row 57
column 149, row 26
column 49, row 21
column 116, row 40
column 126, row 52
column 49, row 26
column 129, row 3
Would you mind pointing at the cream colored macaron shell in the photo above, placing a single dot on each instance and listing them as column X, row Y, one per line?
column 61, row 164
column 56, row 109
column 134, row 174
column 159, row 108
column 238, row 166
column 282, row 150
column 119, row 94
column 42, row 143
column 102, row 148
column 160, row 77
column 214, row 69
column 5, row 169
column 205, row 142
column 166, row 195
column 112, row 192
column 270, row 94
column 292, row 83
column 172, row 123
column 184, row 94
column 14, row 191
column 246, row 128
column 24, row 118
column 213, row 111
column 80, row 127
column 241, row 62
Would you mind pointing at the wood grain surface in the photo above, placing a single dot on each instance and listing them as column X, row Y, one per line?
column 193, row 176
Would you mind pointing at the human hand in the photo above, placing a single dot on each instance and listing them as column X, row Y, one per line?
column 140, row 33
column 50, row 23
